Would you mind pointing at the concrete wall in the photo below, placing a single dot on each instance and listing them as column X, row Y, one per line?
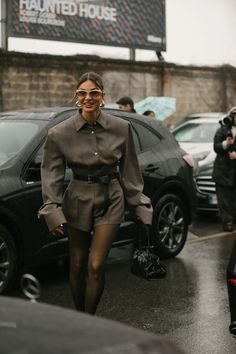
column 28, row 80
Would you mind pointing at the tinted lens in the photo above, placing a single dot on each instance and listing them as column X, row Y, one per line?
column 95, row 93
column 92, row 93
column 81, row 93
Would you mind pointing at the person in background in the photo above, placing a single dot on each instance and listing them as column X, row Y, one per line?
column 100, row 151
column 224, row 170
column 149, row 113
column 127, row 104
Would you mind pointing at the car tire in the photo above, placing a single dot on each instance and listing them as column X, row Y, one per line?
column 170, row 226
column 8, row 260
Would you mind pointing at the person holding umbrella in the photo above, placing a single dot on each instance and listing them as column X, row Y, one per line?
column 149, row 113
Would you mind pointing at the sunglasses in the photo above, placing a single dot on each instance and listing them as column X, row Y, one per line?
column 95, row 93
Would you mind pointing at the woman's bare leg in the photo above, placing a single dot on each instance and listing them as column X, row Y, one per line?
column 101, row 243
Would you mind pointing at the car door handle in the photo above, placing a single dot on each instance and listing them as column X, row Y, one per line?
column 151, row 168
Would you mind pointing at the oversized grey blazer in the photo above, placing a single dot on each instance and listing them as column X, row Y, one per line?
column 89, row 149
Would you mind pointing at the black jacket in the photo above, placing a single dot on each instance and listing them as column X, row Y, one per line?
column 224, row 170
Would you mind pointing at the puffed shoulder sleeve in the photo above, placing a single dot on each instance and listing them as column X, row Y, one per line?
column 130, row 173
column 52, row 176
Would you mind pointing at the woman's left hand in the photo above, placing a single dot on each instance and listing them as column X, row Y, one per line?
column 144, row 213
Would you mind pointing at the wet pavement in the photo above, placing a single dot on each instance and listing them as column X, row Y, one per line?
column 205, row 224
column 188, row 307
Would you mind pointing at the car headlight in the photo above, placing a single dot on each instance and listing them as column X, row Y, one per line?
column 208, row 160
column 201, row 155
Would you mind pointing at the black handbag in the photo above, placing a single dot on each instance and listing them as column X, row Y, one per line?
column 144, row 263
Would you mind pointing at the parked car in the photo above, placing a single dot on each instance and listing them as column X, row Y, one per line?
column 195, row 135
column 213, row 115
column 25, row 240
column 40, row 328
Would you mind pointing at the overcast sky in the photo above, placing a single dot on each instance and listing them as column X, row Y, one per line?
column 200, row 32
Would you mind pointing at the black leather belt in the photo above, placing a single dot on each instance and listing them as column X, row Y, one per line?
column 104, row 182
column 95, row 179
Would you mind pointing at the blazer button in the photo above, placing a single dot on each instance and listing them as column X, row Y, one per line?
column 95, row 153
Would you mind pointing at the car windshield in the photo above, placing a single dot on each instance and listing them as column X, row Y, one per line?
column 196, row 133
column 14, row 135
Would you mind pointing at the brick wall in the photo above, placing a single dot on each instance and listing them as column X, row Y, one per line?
column 28, row 80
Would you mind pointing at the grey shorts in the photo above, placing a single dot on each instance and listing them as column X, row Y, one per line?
column 83, row 204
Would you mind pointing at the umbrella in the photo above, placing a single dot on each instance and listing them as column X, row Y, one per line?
column 163, row 107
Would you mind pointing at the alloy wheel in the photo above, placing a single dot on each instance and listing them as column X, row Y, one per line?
column 170, row 226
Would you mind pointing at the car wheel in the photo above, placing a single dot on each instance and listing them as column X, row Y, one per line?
column 170, row 227
column 8, row 260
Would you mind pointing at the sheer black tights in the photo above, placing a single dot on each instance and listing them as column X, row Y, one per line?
column 87, row 262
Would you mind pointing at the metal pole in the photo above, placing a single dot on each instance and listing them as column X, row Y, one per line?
column 3, row 24
column 132, row 54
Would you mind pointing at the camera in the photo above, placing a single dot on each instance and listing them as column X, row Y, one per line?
column 228, row 122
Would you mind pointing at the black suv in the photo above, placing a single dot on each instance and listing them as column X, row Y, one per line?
column 25, row 240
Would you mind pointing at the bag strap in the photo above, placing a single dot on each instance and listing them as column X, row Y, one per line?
column 144, row 234
column 148, row 232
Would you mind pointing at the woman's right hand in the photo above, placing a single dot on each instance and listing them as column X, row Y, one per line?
column 58, row 231
column 232, row 155
column 229, row 140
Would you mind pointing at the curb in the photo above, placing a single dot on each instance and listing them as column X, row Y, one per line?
column 191, row 238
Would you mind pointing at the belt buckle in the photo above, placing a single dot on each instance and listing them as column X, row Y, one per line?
column 90, row 179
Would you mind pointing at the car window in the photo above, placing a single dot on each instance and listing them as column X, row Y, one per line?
column 64, row 115
column 32, row 170
column 14, row 136
column 146, row 139
column 136, row 139
column 196, row 132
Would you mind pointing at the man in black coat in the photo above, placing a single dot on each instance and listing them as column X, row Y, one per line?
column 224, row 171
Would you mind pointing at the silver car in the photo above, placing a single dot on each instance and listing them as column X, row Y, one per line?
column 195, row 135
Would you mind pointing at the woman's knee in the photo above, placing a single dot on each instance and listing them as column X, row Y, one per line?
column 95, row 269
column 77, row 266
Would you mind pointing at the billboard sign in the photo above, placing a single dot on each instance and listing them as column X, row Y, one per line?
column 121, row 23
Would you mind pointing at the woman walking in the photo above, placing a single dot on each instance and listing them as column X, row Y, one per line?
column 99, row 149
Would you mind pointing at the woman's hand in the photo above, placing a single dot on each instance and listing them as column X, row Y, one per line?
column 144, row 213
column 229, row 140
column 232, row 155
column 58, row 231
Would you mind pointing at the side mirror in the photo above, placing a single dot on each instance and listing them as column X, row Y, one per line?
column 33, row 171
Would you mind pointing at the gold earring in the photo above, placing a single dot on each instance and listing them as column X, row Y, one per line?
column 102, row 104
column 78, row 104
